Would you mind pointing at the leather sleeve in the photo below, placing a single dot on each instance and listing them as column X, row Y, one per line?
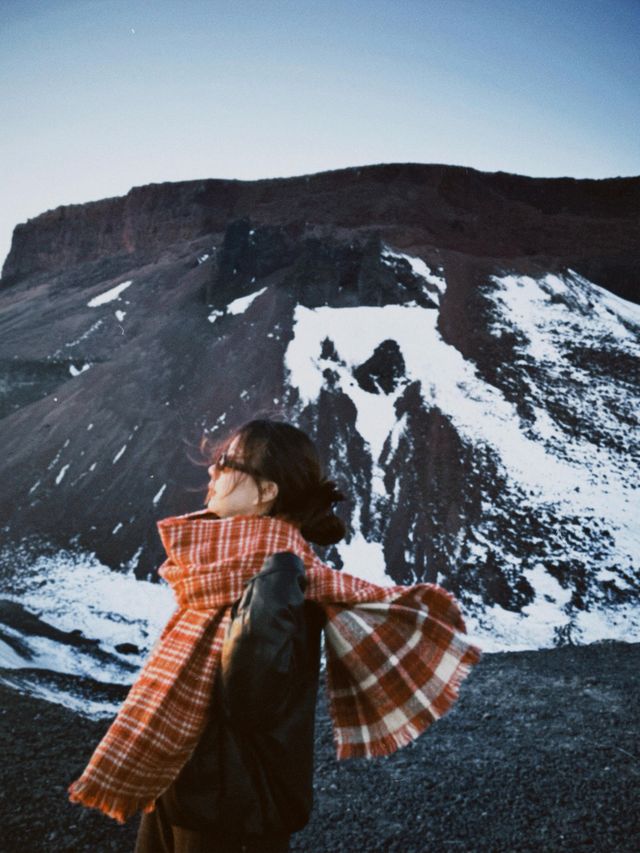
column 261, row 655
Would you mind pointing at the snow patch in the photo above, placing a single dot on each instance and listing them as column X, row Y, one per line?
column 109, row 295
column 364, row 559
column 61, row 474
column 90, row 330
column 159, row 493
column 119, row 454
column 496, row 629
column 240, row 305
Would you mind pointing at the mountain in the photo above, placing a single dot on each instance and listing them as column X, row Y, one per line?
column 463, row 346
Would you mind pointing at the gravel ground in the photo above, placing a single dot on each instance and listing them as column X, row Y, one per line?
column 540, row 753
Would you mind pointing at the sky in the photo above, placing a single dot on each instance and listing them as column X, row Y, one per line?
column 98, row 97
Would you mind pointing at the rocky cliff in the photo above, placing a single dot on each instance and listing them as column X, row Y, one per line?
column 591, row 224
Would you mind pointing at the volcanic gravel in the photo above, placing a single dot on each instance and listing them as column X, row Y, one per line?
column 540, row 753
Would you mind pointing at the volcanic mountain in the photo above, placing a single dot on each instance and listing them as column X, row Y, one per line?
column 463, row 347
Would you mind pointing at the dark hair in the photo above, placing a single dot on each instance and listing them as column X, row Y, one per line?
column 280, row 452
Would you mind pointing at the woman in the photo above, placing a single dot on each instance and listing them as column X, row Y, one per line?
column 214, row 741
column 266, row 711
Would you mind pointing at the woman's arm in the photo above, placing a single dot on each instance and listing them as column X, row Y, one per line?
column 264, row 642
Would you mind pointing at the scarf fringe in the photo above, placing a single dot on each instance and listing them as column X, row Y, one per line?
column 112, row 806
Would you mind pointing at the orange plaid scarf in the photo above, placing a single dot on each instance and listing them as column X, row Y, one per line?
column 395, row 658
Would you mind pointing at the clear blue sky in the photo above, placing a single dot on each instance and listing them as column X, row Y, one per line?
column 98, row 97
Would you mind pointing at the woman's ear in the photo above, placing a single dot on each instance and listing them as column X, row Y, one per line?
column 269, row 491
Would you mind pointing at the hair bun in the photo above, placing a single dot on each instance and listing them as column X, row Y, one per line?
column 330, row 492
column 323, row 526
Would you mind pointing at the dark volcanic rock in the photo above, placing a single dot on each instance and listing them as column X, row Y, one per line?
column 23, row 381
column 382, row 371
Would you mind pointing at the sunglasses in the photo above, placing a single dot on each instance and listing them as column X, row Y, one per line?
column 226, row 462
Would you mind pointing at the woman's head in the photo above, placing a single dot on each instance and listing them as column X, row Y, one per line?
column 272, row 468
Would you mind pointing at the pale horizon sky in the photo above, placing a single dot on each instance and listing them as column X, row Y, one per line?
column 99, row 96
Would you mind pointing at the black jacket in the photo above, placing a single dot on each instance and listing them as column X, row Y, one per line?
column 252, row 771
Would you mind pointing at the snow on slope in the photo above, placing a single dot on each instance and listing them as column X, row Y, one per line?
column 75, row 592
column 568, row 324
column 589, row 472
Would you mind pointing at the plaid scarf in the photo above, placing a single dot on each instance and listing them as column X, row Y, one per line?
column 395, row 658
